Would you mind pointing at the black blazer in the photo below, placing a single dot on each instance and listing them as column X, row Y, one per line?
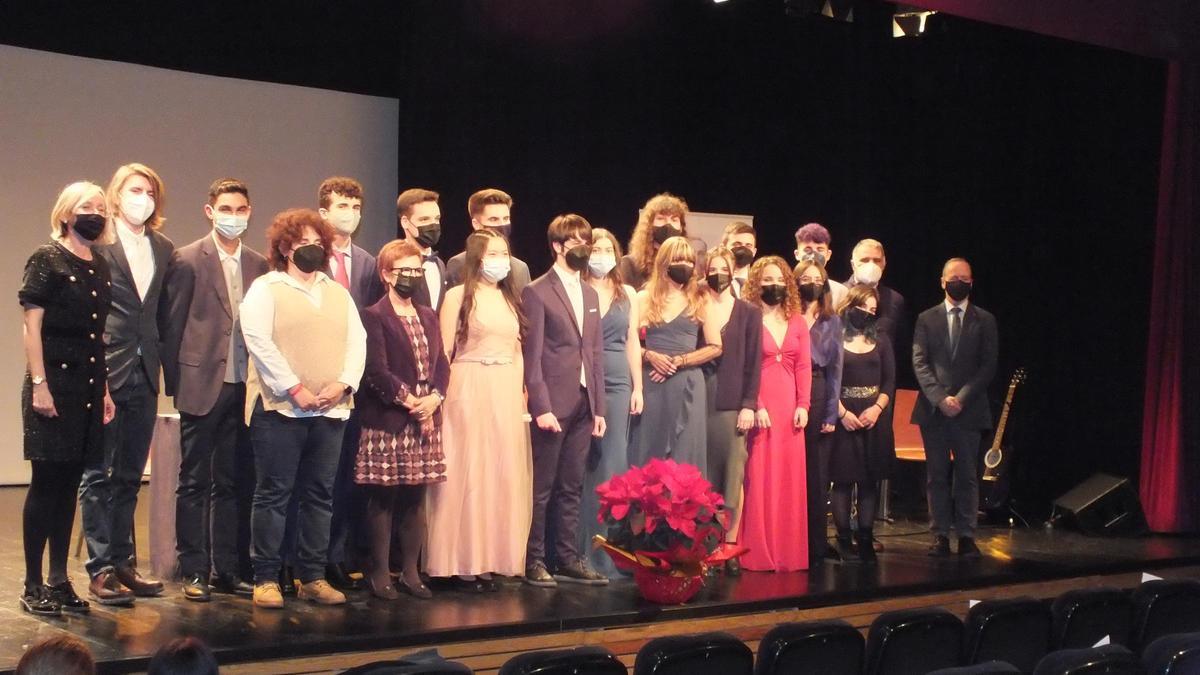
column 392, row 364
column 740, row 367
column 965, row 375
column 421, row 297
column 134, row 323
column 554, row 348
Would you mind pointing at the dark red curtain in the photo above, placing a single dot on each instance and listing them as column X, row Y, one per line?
column 1170, row 457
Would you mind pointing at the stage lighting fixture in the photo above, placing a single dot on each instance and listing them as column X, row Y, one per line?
column 909, row 21
column 838, row 10
column 717, row 2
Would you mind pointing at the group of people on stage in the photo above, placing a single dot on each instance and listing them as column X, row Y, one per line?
column 419, row 418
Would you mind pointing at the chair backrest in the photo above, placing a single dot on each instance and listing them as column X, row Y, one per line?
column 1015, row 631
column 913, row 642
column 1106, row 660
column 577, row 661
column 1083, row 617
column 815, row 647
column 1177, row 654
column 1162, row 607
column 701, row 654
column 985, row 668
column 427, row 662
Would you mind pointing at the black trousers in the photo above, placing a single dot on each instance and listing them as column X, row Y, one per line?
column 559, row 461
column 216, row 484
column 951, row 502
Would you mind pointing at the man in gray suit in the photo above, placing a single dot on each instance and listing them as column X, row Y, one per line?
column 109, row 489
column 204, row 368
column 954, row 358
column 490, row 208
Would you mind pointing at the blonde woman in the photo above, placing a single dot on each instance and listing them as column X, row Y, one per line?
column 680, row 337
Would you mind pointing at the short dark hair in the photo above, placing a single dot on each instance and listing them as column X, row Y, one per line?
column 183, row 656
column 286, row 229
column 347, row 187
column 62, row 654
column 568, row 226
column 224, row 186
column 410, row 198
column 477, row 201
column 814, row 232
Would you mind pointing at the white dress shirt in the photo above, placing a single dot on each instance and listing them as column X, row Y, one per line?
column 333, row 261
column 141, row 257
column 258, row 321
column 433, row 278
column 574, row 287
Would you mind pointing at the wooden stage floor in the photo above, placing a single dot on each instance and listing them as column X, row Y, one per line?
column 483, row 630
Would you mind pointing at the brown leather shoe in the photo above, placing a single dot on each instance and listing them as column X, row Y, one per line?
column 141, row 586
column 106, row 589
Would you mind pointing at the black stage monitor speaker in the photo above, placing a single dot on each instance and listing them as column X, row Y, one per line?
column 1102, row 504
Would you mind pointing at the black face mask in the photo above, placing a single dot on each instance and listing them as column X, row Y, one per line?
column 428, row 236
column 309, row 258
column 406, row 287
column 662, row 234
column 860, row 318
column 505, row 230
column 719, row 281
column 774, row 294
column 958, row 290
column 89, row 225
column 811, row 292
column 577, row 257
column 680, row 272
column 742, row 256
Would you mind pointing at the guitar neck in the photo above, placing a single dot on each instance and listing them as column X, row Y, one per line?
column 1012, row 388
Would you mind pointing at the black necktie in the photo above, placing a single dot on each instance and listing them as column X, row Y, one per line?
column 955, row 329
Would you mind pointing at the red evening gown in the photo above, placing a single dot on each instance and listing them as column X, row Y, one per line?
column 775, row 515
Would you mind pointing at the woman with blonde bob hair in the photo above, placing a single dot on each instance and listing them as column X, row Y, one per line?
column 64, row 399
column 673, row 311
column 664, row 216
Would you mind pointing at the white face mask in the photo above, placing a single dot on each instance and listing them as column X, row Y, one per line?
column 345, row 222
column 495, row 269
column 229, row 225
column 868, row 274
column 601, row 264
column 136, row 208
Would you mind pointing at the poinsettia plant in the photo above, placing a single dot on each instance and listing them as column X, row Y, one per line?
column 663, row 514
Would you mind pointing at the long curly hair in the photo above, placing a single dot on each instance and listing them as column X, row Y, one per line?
column 477, row 243
column 752, row 292
column 674, row 250
column 641, row 242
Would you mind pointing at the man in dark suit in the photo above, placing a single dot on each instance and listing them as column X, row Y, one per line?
column 954, row 357
column 340, row 204
column 490, row 208
column 109, row 489
column 420, row 220
column 564, row 374
column 204, row 368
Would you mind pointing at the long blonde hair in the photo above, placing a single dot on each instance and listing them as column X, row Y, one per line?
column 156, row 219
column 641, row 242
column 674, row 250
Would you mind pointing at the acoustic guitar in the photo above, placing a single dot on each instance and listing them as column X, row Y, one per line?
column 995, row 472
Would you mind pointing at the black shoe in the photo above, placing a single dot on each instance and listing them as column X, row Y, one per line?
column 578, row 572
column 64, row 595
column 940, row 547
column 339, row 578
column 195, row 587
column 866, row 547
column 287, row 580
column 466, row 585
column 967, row 548
column 537, row 575
column 733, row 568
column 489, row 584
column 419, row 591
column 37, row 600
column 229, row 583
column 845, row 550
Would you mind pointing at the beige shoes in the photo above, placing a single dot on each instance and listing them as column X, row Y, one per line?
column 321, row 592
column 267, row 595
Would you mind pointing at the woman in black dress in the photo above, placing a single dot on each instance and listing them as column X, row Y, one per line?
column 64, row 400
column 863, row 450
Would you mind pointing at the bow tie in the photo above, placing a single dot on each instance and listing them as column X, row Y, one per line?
column 432, row 257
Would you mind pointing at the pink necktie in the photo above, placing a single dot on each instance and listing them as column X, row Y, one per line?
column 340, row 275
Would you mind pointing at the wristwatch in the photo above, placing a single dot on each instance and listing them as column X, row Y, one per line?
column 38, row 379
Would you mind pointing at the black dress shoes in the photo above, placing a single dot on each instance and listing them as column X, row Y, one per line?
column 287, row 580
column 339, row 578
column 37, row 600
column 419, row 591
column 940, row 547
column 230, row 583
column 465, row 585
column 967, row 548
column 537, row 575
column 64, row 595
column 195, row 588
column 579, row 573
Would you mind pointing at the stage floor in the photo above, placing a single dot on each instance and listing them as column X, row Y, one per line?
column 123, row 638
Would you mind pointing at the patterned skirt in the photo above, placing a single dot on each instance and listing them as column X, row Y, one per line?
column 410, row 457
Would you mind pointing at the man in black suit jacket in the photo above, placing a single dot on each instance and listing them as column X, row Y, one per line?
column 108, row 492
column 490, row 208
column 564, row 374
column 420, row 219
column 954, row 357
column 204, row 368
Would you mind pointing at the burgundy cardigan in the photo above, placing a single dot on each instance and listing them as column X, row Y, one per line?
column 391, row 366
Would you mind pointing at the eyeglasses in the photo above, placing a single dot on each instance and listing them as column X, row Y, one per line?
column 408, row 271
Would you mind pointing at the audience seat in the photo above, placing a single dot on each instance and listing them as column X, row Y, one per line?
column 1177, row 654
column 700, row 654
column 1106, row 660
column 985, row 668
column 1083, row 617
column 913, row 642
column 816, row 648
column 1162, row 607
column 1015, row 631
column 577, row 661
column 427, row 662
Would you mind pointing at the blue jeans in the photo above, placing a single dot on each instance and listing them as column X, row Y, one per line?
column 292, row 455
column 109, row 489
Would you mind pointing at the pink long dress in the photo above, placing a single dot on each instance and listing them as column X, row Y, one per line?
column 774, row 512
